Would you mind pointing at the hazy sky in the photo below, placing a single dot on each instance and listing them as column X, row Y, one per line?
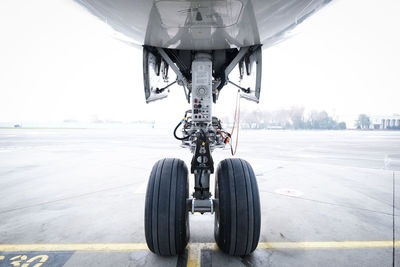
column 59, row 62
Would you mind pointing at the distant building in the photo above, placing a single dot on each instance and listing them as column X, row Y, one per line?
column 385, row 122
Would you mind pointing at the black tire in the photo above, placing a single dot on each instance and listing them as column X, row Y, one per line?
column 238, row 219
column 166, row 220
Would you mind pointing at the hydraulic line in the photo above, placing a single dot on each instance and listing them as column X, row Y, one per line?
column 176, row 128
column 179, row 124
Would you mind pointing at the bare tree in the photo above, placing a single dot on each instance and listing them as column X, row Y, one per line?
column 363, row 121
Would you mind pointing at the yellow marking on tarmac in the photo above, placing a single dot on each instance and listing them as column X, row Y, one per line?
column 2, row 258
column 142, row 188
column 194, row 252
column 194, row 249
column 17, row 260
column 75, row 247
column 195, row 246
column 328, row 245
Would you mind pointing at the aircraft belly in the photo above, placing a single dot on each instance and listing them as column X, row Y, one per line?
column 202, row 24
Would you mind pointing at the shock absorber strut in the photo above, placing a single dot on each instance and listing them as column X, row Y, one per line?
column 202, row 162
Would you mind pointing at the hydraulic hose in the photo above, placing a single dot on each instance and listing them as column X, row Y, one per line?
column 176, row 128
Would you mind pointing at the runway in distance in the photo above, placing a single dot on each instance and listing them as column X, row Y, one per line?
column 202, row 42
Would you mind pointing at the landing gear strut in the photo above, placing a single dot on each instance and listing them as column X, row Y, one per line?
column 236, row 203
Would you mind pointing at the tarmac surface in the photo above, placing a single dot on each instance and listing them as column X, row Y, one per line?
column 75, row 197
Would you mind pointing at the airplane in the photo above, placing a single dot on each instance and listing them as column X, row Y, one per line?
column 202, row 42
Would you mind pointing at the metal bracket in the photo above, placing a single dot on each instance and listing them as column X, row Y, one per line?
column 235, row 61
column 252, row 54
column 181, row 79
column 201, row 205
column 203, row 153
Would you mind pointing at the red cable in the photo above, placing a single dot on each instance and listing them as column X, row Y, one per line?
column 237, row 131
column 234, row 119
column 220, row 133
column 204, row 116
column 237, row 113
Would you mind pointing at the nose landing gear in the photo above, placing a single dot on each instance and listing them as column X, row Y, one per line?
column 236, row 203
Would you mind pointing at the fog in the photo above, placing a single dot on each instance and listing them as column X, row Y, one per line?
column 59, row 62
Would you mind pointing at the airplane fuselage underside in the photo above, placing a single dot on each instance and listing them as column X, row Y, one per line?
column 204, row 24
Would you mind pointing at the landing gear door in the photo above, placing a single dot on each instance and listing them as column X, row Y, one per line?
column 250, row 74
column 247, row 75
column 155, row 76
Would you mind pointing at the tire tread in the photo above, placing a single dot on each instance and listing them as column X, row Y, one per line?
column 166, row 218
column 239, row 207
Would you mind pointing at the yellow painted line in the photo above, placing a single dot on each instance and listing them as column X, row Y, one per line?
column 142, row 188
column 194, row 252
column 329, row 245
column 75, row 247
column 195, row 248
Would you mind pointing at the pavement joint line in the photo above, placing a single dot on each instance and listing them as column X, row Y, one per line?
column 195, row 248
column 67, row 198
column 329, row 203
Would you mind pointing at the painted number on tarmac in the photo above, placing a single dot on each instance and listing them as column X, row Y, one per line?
column 25, row 261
